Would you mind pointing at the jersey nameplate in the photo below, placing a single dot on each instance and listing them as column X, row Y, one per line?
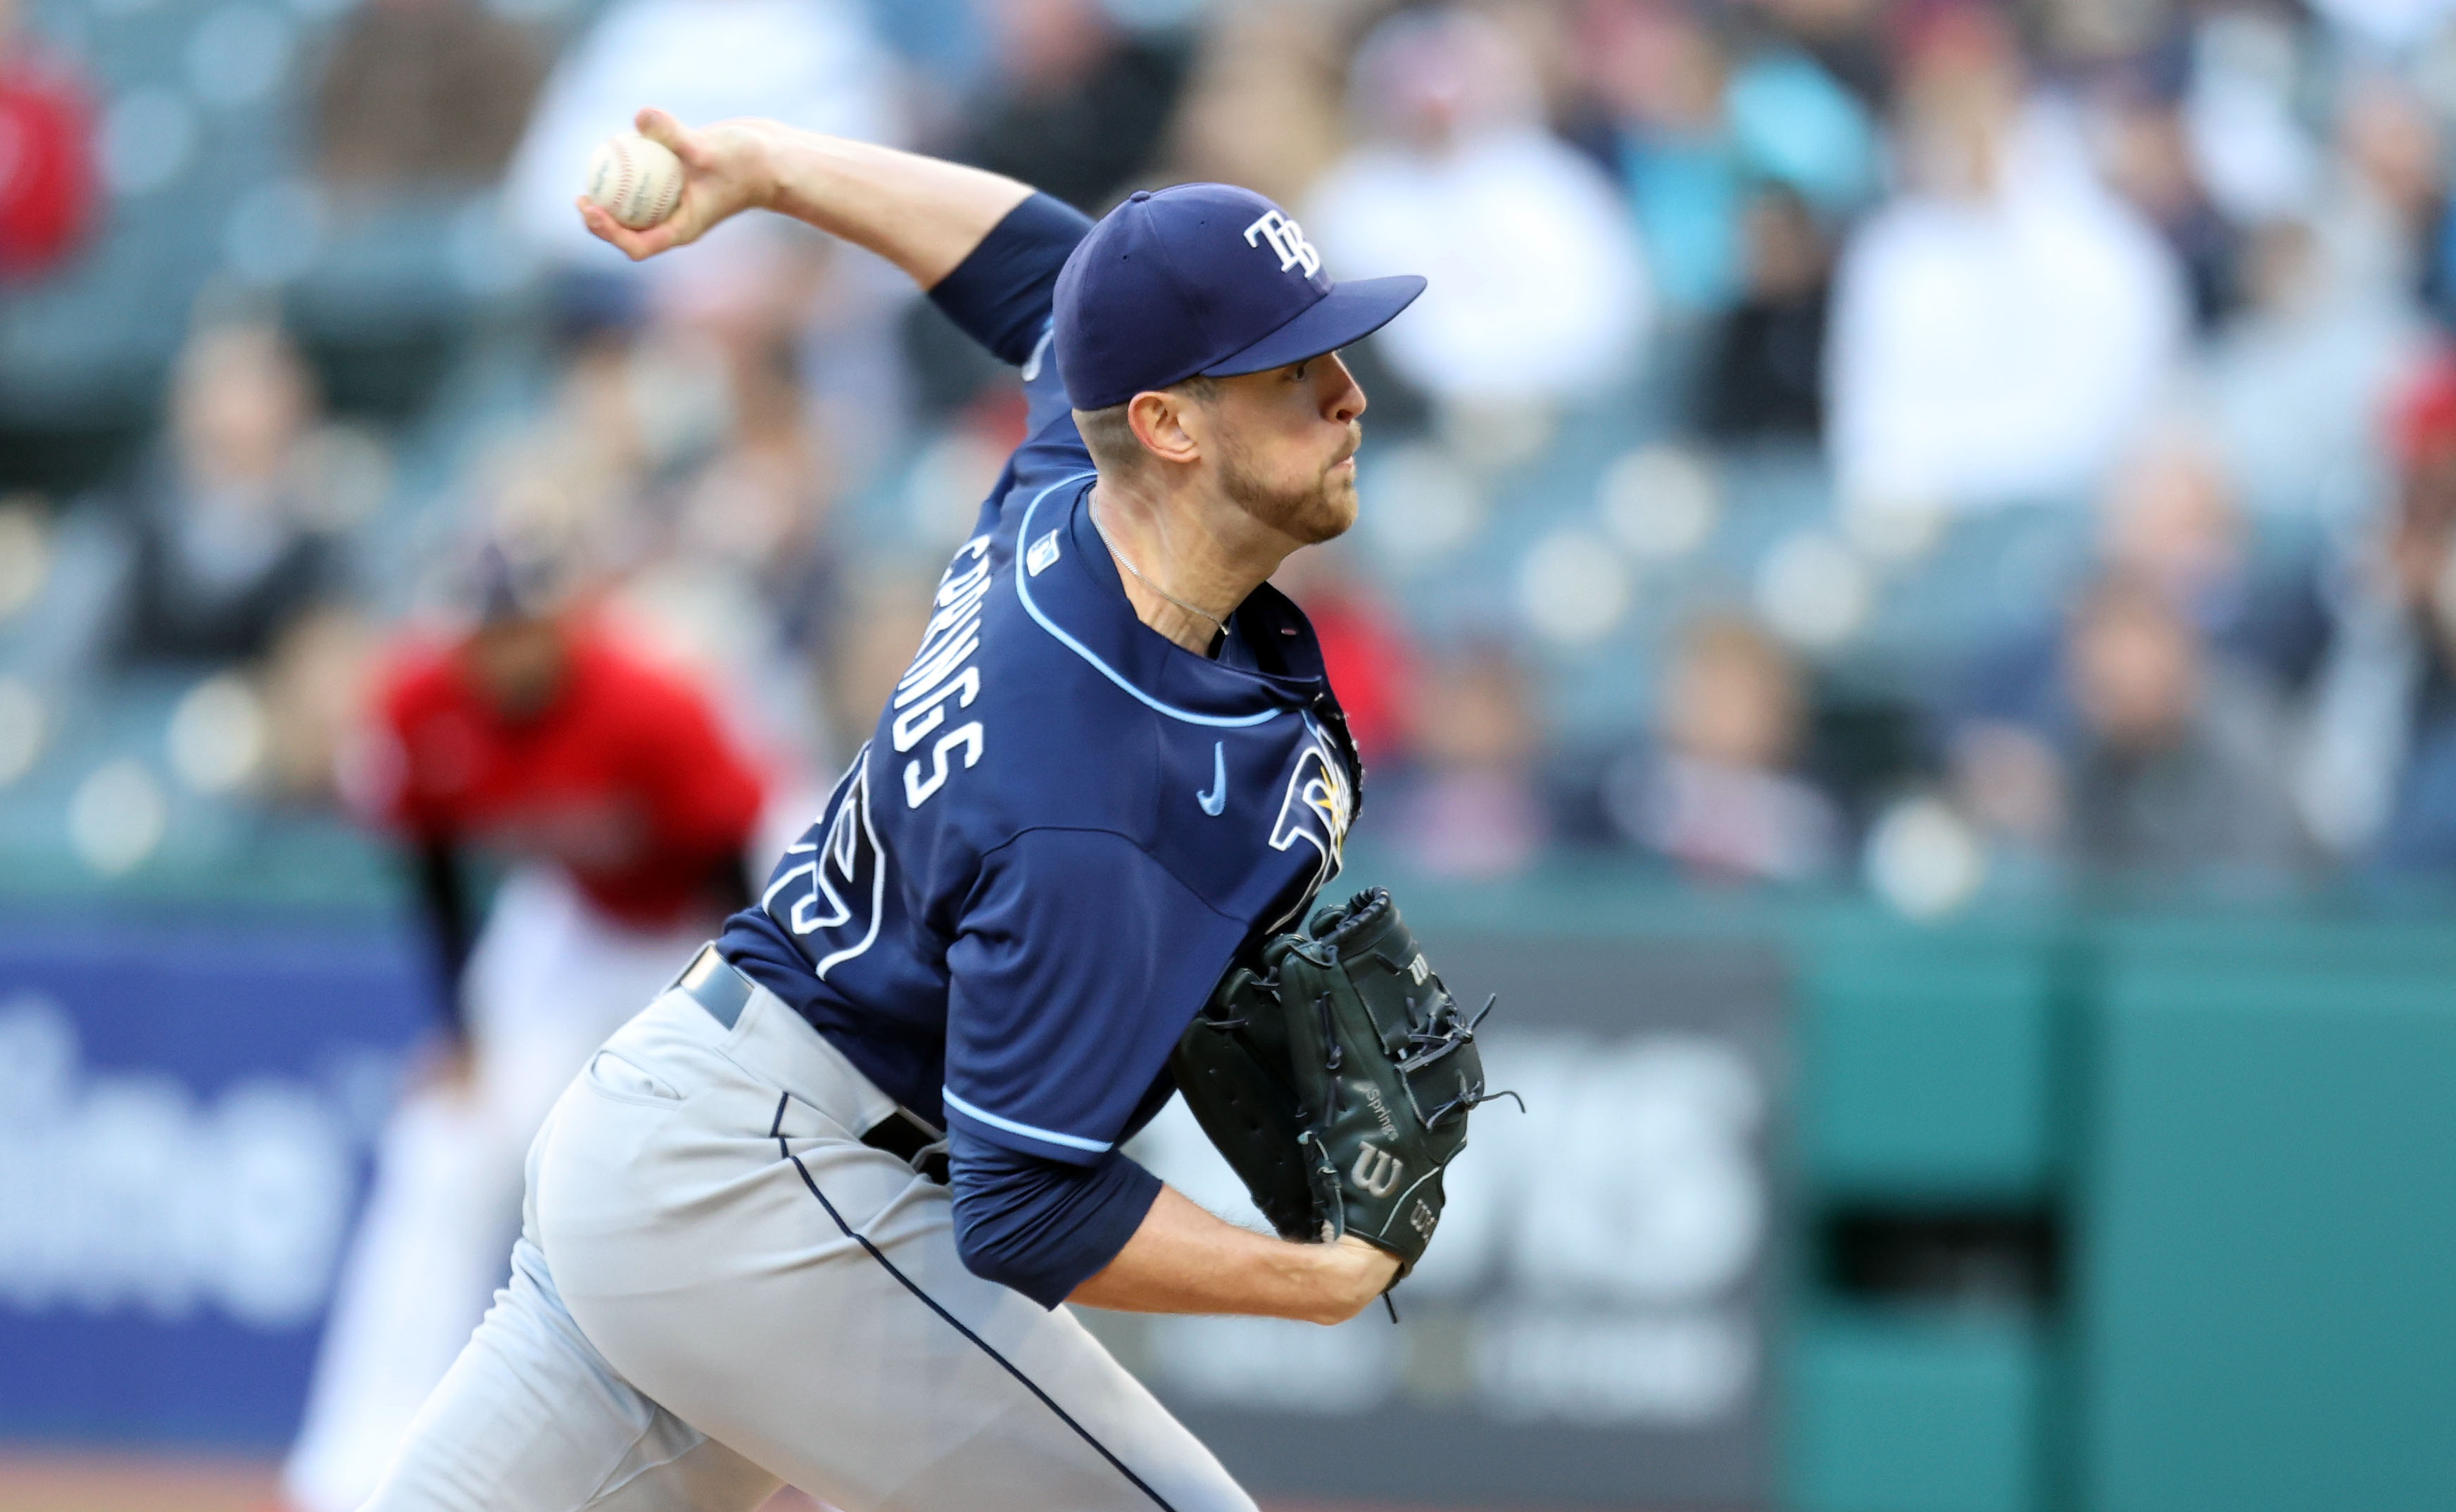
column 943, row 671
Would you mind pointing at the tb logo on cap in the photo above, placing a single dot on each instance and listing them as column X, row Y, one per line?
column 1286, row 239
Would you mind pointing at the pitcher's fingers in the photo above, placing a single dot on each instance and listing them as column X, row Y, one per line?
column 632, row 244
column 660, row 127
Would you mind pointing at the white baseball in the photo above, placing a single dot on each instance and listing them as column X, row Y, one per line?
column 636, row 180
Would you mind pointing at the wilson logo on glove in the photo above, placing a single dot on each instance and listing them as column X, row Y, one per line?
column 1377, row 1170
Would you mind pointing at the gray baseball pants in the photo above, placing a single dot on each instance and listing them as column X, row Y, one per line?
column 718, row 1288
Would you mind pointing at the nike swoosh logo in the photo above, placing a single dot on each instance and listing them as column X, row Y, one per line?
column 1216, row 799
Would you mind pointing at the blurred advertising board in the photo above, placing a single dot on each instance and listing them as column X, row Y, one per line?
column 1592, row 1324
column 185, row 1115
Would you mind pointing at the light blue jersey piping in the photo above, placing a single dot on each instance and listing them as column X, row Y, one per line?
column 1045, row 1136
column 1023, row 591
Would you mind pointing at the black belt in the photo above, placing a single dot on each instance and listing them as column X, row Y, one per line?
column 714, row 983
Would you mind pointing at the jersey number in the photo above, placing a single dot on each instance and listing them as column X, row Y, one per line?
column 917, row 789
column 847, row 872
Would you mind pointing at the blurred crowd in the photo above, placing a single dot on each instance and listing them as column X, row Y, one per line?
column 1964, row 448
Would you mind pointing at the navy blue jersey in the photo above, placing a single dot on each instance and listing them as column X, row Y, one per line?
column 1063, row 829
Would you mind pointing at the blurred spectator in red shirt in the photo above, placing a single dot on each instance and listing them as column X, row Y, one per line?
column 538, row 740
column 1365, row 647
column 47, row 168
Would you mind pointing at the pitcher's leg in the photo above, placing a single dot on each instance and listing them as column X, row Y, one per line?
column 1047, row 1417
column 798, row 1296
column 531, row 1418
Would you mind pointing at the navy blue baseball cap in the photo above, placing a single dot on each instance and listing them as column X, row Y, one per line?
column 1202, row 279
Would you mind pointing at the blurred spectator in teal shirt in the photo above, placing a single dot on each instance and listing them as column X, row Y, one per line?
column 1699, row 129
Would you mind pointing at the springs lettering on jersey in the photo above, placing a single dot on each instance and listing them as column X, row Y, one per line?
column 941, row 671
column 837, row 881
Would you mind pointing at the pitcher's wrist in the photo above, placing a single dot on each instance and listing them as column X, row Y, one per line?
column 1350, row 1273
column 766, row 146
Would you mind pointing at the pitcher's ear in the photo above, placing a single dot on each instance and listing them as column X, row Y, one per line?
column 1164, row 423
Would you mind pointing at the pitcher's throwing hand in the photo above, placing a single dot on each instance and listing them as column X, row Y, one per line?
column 724, row 171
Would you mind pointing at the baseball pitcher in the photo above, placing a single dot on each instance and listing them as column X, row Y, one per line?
column 813, row 1214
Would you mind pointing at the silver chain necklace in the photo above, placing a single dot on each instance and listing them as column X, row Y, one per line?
column 1092, row 509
